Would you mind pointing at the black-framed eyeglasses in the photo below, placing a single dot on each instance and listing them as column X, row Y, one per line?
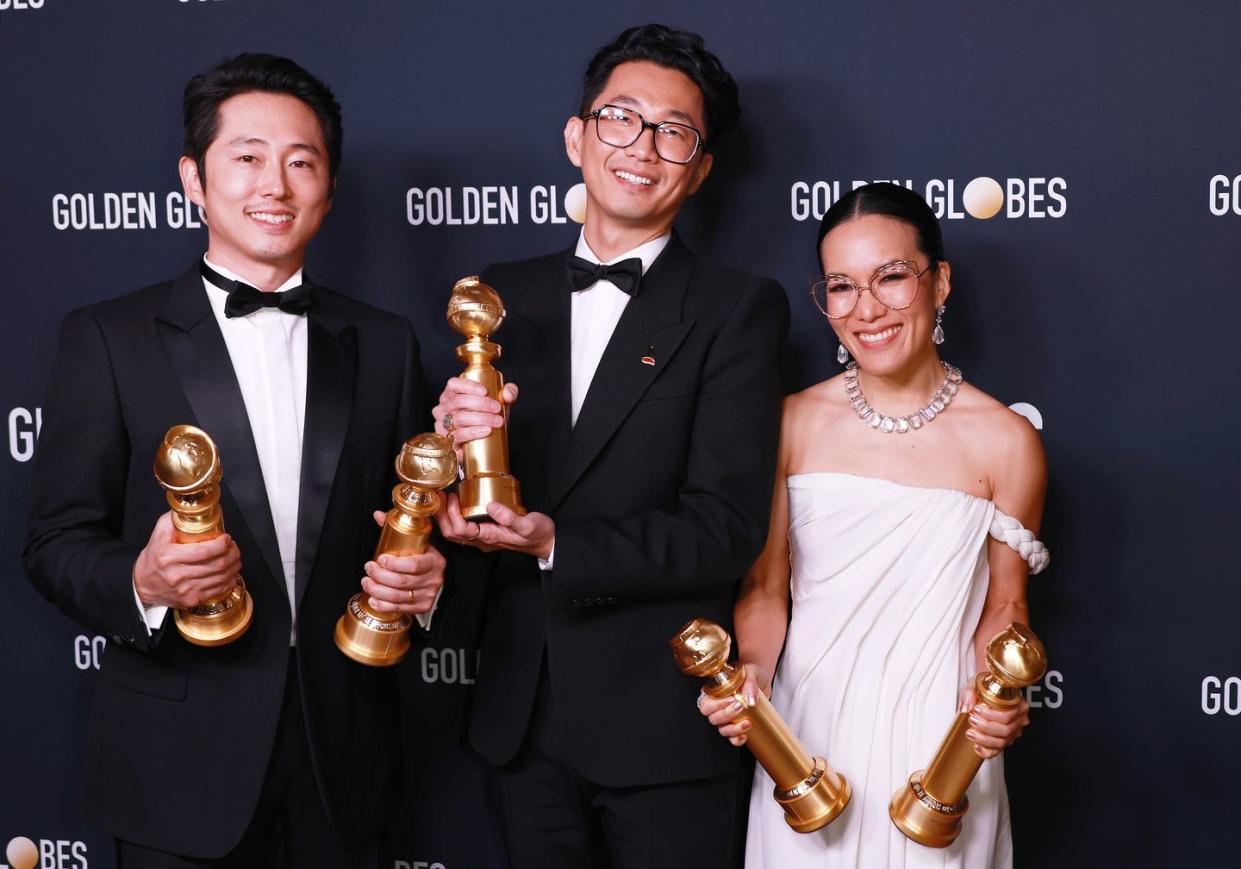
column 894, row 285
column 621, row 127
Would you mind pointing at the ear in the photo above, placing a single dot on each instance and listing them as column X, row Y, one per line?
column 573, row 129
column 191, row 181
column 943, row 282
column 701, row 172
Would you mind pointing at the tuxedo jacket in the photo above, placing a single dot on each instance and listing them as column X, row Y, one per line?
column 180, row 736
column 661, row 494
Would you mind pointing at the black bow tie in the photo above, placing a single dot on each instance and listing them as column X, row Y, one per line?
column 625, row 275
column 244, row 299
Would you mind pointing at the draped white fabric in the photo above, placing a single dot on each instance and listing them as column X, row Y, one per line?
column 888, row 582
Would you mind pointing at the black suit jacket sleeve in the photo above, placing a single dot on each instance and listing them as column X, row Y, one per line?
column 74, row 553
column 719, row 523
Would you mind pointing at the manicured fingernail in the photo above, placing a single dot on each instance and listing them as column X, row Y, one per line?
column 965, row 707
column 975, row 720
column 749, row 699
column 385, row 560
column 745, row 725
column 742, row 738
column 972, row 734
column 736, row 706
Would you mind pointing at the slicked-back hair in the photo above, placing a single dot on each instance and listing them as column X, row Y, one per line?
column 256, row 73
column 888, row 200
column 675, row 49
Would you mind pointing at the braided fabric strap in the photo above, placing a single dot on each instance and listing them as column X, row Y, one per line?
column 1008, row 530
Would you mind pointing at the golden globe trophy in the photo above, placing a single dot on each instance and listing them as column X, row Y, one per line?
column 811, row 793
column 426, row 464
column 187, row 465
column 475, row 311
column 931, row 807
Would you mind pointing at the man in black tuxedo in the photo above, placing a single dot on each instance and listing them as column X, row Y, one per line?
column 275, row 749
column 645, row 444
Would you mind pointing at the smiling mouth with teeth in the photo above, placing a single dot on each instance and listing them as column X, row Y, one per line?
column 265, row 217
column 633, row 179
column 876, row 337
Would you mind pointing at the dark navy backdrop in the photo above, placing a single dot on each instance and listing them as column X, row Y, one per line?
column 1103, row 295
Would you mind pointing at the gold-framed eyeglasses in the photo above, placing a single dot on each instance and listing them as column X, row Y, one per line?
column 894, row 285
column 621, row 127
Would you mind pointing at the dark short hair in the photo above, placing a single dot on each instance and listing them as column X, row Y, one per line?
column 888, row 200
column 250, row 73
column 675, row 49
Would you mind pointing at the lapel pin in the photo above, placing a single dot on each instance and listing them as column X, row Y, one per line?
column 649, row 358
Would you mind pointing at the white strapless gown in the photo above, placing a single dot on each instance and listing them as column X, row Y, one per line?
column 888, row 583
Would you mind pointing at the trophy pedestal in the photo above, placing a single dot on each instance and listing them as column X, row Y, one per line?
column 475, row 493
column 816, row 800
column 925, row 819
column 216, row 624
column 370, row 639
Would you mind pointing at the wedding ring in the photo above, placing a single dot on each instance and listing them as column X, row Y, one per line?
column 410, row 592
column 698, row 702
column 447, row 421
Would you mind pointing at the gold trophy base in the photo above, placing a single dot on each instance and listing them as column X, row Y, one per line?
column 815, row 801
column 475, row 493
column 370, row 640
column 923, row 818
column 216, row 624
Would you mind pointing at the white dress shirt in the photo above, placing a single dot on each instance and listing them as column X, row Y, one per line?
column 268, row 352
column 594, row 314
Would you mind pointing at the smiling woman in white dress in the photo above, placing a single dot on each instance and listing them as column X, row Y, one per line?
column 898, row 532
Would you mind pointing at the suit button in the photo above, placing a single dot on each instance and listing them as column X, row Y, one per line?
column 611, row 599
column 600, row 601
column 576, row 603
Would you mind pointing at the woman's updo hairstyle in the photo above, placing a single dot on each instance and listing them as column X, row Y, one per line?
column 888, row 200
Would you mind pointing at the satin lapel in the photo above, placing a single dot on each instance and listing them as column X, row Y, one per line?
column 651, row 327
column 539, row 324
column 331, row 373
column 200, row 359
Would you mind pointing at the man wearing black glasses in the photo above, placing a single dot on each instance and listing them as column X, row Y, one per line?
column 645, row 444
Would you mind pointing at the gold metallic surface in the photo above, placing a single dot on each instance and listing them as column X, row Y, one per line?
column 811, row 793
column 475, row 311
column 187, row 466
column 931, row 808
column 426, row 464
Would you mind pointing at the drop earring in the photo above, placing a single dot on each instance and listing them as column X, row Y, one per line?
column 842, row 355
column 937, row 336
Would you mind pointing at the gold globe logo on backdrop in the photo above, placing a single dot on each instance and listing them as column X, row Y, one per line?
column 26, row 853
column 575, row 203
column 22, row 853
column 981, row 198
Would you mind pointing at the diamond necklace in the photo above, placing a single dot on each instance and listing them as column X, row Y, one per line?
column 901, row 424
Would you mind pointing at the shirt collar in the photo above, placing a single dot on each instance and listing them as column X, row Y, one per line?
column 648, row 252
column 294, row 280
